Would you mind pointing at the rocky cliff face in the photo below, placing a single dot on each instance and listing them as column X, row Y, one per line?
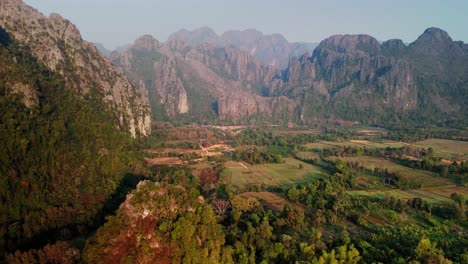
column 348, row 75
column 202, row 82
column 347, row 67
column 271, row 50
column 351, row 77
column 57, row 43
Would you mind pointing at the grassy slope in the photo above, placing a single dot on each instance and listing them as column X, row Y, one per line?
column 285, row 174
column 450, row 149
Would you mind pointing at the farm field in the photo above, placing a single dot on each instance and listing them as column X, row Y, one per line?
column 448, row 149
column 268, row 199
column 355, row 143
column 436, row 195
column 426, row 178
column 285, row 174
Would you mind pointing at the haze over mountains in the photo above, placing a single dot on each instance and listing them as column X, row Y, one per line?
column 272, row 50
column 234, row 78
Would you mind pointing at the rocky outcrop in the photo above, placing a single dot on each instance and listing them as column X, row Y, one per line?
column 169, row 86
column 150, row 225
column 348, row 75
column 236, row 106
column 200, row 81
column 57, row 43
column 196, row 37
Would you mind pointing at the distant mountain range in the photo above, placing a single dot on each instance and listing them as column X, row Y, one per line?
column 246, row 76
column 272, row 50
column 234, row 77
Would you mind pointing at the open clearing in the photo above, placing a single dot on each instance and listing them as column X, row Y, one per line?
column 432, row 195
column 285, row 174
column 449, row 149
column 426, row 178
column 268, row 199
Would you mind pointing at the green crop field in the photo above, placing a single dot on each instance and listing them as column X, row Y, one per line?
column 285, row 174
column 426, row 178
column 449, row 149
column 432, row 195
column 355, row 143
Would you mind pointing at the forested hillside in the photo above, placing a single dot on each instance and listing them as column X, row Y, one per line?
column 61, row 156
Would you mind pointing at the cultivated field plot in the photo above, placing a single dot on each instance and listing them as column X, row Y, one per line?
column 268, row 199
column 432, row 195
column 307, row 155
column 355, row 143
column 449, row 149
column 426, row 178
column 285, row 174
column 295, row 132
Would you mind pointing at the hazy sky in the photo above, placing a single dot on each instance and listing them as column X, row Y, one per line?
column 117, row 22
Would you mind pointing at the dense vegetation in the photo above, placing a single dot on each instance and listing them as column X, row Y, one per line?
column 61, row 157
column 320, row 224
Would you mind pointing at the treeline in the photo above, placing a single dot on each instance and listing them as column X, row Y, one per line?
column 326, row 202
column 256, row 155
column 413, row 134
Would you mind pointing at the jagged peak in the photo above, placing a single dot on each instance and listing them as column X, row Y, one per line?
column 393, row 45
column 196, row 36
column 434, row 35
column 147, row 42
column 343, row 43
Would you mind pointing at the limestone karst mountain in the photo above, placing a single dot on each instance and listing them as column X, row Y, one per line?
column 271, row 50
column 351, row 77
column 57, row 43
column 204, row 82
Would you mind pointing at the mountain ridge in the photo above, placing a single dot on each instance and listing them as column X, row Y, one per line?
column 351, row 77
column 271, row 50
column 57, row 43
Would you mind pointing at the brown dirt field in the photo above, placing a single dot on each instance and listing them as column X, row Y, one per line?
column 166, row 161
column 377, row 220
column 167, row 150
column 365, row 142
column 369, row 132
column 225, row 128
column 268, row 199
column 204, row 152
